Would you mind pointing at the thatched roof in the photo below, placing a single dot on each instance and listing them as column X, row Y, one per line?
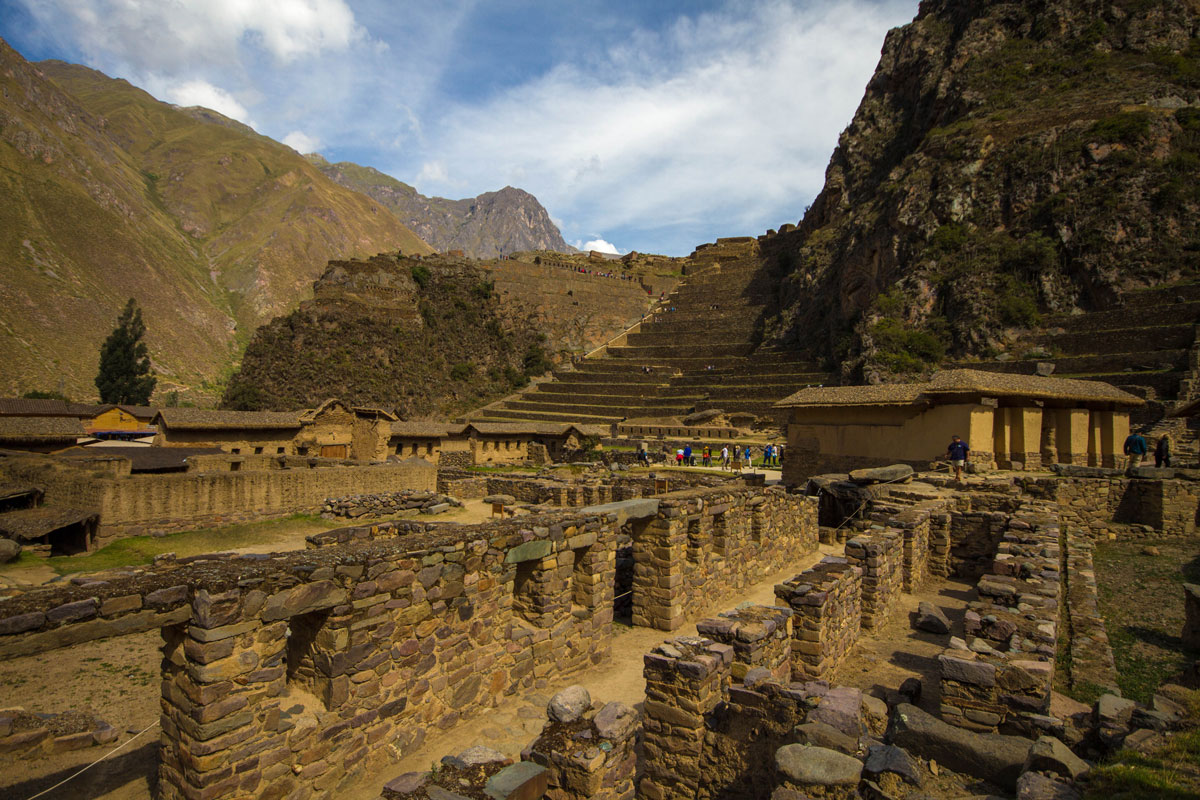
column 959, row 382
column 31, row 524
column 28, row 407
column 40, row 429
column 426, row 429
column 523, row 428
column 208, row 420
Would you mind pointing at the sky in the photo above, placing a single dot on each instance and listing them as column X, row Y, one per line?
column 649, row 125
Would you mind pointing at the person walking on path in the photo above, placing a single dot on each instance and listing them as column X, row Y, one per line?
column 1162, row 452
column 725, row 457
column 687, row 456
column 957, row 452
column 707, row 456
column 1135, row 450
column 749, row 459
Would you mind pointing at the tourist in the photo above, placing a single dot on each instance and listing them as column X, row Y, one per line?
column 1162, row 452
column 957, row 452
column 1135, row 450
column 642, row 456
column 725, row 457
column 706, row 456
column 749, row 460
column 768, row 453
column 687, row 456
column 678, row 458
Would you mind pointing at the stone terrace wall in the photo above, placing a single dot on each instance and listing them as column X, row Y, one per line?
column 706, row 542
column 1110, row 501
column 385, row 641
column 827, row 605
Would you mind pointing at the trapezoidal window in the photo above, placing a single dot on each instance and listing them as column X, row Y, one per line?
column 695, row 539
column 304, row 673
column 583, row 578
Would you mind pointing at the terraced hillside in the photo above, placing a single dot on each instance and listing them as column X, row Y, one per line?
column 1147, row 346
column 702, row 348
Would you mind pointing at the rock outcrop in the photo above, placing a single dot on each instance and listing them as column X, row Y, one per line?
column 1007, row 160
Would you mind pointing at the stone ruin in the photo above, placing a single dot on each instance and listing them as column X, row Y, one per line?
column 285, row 674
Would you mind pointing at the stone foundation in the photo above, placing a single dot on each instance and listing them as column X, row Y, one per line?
column 759, row 637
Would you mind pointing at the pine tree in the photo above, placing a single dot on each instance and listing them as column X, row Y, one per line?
column 124, row 375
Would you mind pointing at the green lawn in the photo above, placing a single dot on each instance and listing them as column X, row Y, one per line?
column 289, row 533
column 1141, row 600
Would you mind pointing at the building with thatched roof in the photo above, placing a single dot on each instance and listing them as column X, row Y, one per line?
column 235, row 432
column 39, row 434
column 1009, row 421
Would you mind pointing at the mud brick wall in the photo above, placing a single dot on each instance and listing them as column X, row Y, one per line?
column 759, row 637
column 686, row 679
column 879, row 557
column 827, row 616
column 704, row 543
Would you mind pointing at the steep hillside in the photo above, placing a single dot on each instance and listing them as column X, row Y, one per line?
column 490, row 225
column 1008, row 160
column 426, row 336
column 110, row 194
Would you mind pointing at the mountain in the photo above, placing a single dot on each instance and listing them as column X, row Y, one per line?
column 1008, row 161
column 107, row 194
column 426, row 336
column 490, row 225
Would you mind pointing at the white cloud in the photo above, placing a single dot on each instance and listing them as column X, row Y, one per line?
column 154, row 36
column 203, row 93
column 301, row 142
column 433, row 172
column 725, row 122
column 601, row 246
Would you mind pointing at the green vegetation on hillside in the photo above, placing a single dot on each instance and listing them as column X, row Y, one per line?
column 461, row 352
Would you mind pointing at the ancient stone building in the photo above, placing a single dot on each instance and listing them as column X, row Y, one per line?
column 1009, row 421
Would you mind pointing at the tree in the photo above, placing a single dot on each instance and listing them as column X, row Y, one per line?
column 124, row 375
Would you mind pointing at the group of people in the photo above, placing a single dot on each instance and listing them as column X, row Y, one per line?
column 1136, row 449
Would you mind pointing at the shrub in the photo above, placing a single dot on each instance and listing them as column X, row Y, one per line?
column 535, row 361
column 462, row 371
column 904, row 349
column 1127, row 127
column 420, row 275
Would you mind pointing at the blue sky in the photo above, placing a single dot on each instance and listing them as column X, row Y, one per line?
column 651, row 126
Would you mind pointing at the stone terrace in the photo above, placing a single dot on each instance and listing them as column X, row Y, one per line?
column 680, row 346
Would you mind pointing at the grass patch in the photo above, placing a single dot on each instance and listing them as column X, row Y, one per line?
column 1141, row 600
column 138, row 550
column 1170, row 771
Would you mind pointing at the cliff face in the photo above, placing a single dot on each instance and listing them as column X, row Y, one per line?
column 1007, row 160
column 490, row 225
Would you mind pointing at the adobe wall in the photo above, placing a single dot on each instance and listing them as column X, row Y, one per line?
column 142, row 504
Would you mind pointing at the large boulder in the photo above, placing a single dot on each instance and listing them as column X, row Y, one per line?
column 1048, row 754
column 990, row 757
column 570, row 704
column 930, row 618
column 9, row 550
column 803, row 765
column 896, row 473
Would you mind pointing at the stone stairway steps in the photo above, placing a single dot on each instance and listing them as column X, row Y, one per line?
column 1160, row 295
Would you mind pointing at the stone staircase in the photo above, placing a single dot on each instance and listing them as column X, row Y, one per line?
column 700, row 345
column 1148, row 346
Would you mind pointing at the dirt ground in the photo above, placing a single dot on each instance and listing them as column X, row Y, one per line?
column 117, row 680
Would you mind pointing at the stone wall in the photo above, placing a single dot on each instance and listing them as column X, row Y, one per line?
column 826, row 602
column 1000, row 678
column 879, row 558
column 759, row 637
column 1107, row 501
column 705, row 542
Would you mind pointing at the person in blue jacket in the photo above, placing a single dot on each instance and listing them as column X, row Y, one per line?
column 957, row 452
column 1135, row 450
